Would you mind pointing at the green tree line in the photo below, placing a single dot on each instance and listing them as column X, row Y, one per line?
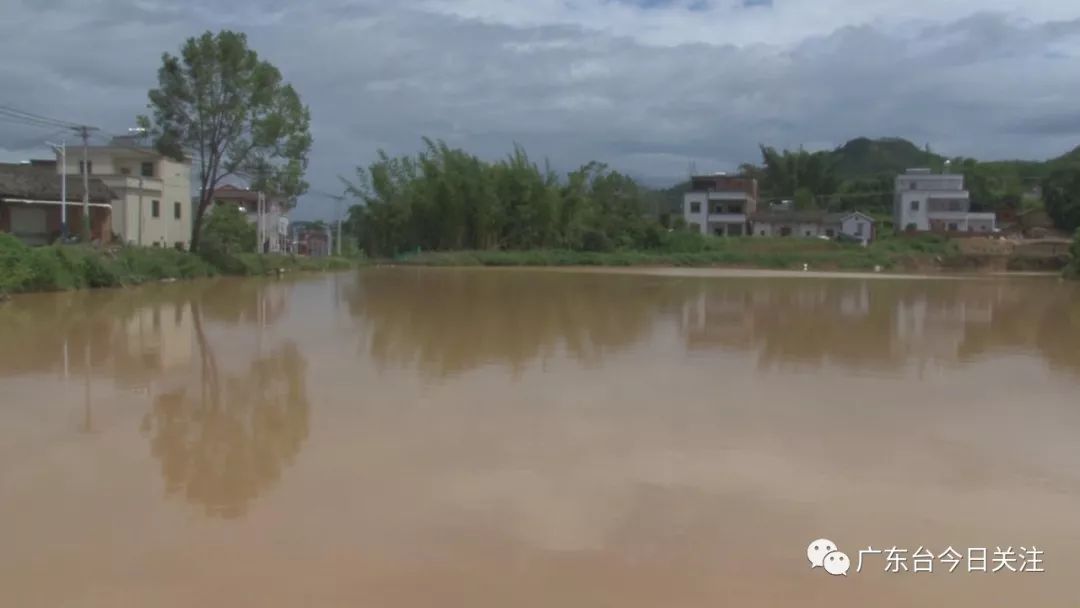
column 447, row 199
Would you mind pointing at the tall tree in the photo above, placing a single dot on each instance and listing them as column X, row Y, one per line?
column 218, row 102
column 1061, row 192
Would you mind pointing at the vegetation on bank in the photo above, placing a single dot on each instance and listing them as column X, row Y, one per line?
column 692, row 249
column 1073, row 269
column 446, row 199
column 66, row 267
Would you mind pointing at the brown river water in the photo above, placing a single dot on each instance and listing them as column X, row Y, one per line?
column 399, row 437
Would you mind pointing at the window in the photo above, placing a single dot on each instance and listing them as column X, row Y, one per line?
column 695, row 207
column 718, row 231
column 914, row 205
column 830, row 233
column 808, row 233
column 176, row 210
column 155, row 208
column 718, row 208
column 89, row 167
column 953, row 227
column 125, row 170
column 913, row 186
column 147, row 169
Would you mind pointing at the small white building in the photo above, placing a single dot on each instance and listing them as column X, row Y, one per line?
column 814, row 224
column 936, row 202
column 152, row 205
column 719, row 204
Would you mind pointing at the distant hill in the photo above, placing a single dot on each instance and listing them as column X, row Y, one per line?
column 1030, row 170
column 869, row 164
column 864, row 157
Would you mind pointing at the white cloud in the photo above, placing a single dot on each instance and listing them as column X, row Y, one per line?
column 647, row 90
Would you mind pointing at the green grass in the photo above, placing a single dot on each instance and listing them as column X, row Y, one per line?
column 67, row 267
column 688, row 249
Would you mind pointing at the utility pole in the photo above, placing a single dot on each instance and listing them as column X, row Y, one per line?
column 84, row 132
column 140, row 208
column 339, row 226
column 260, row 229
column 61, row 149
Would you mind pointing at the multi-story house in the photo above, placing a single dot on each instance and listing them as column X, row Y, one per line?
column 937, row 202
column 720, row 204
column 152, row 204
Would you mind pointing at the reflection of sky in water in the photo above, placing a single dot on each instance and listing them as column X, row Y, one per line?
column 571, row 427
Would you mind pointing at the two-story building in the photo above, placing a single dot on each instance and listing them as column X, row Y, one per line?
column 152, row 204
column 936, row 202
column 720, row 204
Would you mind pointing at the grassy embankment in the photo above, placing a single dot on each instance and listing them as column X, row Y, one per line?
column 903, row 253
column 892, row 253
column 64, row 267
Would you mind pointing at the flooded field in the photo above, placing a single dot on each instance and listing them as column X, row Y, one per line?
column 410, row 437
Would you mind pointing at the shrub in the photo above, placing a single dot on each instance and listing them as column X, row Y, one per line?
column 1073, row 269
column 15, row 270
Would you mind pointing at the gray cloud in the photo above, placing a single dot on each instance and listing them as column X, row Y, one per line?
column 378, row 75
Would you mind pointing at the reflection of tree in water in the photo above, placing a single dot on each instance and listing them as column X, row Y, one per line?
column 449, row 321
column 224, row 441
column 1046, row 321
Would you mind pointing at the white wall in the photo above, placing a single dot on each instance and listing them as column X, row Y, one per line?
column 699, row 218
column 857, row 227
column 798, row 229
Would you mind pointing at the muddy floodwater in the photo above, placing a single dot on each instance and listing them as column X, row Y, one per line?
column 428, row 438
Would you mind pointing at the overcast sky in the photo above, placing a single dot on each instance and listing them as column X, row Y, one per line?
column 647, row 86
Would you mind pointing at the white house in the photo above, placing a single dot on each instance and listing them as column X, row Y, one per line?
column 812, row 224
column 152, row 205
column 720, row 204
column 938, row 202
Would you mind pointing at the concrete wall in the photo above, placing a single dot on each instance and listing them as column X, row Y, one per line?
column 100, row 222
column 797, row 229
column 701, row 217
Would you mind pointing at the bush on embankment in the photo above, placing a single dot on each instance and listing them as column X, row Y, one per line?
column 1072, row 271
column 65, row 267
column 692, row 249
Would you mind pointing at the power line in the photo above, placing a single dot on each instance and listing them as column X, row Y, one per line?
column 28, row 122
column 30, row 116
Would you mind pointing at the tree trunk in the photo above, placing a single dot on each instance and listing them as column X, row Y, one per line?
column 196, row 223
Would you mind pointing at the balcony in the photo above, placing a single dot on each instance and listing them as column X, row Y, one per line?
column 726, row 196
column 727, row 218
column 128, row 182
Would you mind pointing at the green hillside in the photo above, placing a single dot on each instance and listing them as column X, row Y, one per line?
column 864, row 157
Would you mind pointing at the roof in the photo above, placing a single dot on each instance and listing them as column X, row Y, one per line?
column 230, row 193
column 43, row 183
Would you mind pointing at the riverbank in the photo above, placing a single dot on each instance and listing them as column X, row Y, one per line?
column 920, row 254
column 67, row 267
